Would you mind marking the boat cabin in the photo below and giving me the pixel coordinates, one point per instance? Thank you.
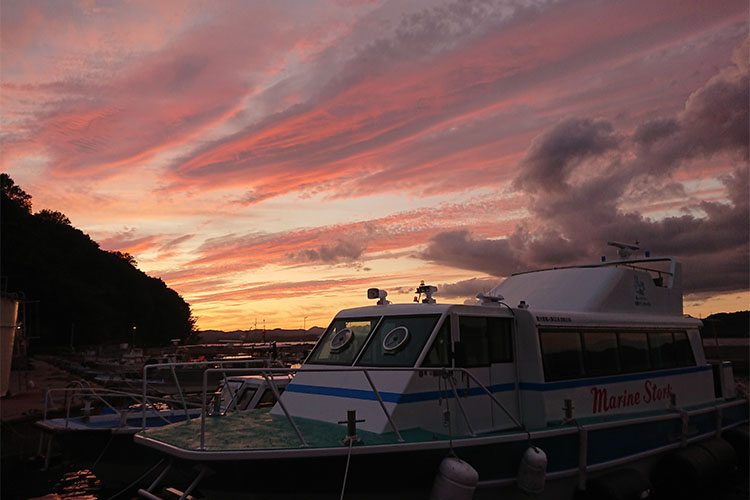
(542, 347)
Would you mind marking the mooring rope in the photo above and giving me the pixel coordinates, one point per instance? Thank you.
(346, 471)
(134, 483)
(96, 462)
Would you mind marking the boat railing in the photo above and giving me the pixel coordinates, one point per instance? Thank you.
(449, 374)
(106, 397)
(221, 366)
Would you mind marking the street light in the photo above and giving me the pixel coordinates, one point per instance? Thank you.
(132, 344)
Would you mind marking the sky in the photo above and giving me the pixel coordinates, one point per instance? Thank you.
(270, 161)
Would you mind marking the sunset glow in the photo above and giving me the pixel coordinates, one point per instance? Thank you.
(270, 161)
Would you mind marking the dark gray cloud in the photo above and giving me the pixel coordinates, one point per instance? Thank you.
(466, 289)
(555, 155)
(715, 119)
(462, 249)
(341, 251)
(583, 178)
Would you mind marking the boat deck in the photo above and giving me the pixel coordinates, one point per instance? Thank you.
(259, 430)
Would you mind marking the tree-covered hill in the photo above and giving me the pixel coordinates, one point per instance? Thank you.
(76, 290)
(727, 325)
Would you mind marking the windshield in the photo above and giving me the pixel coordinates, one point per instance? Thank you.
(229, 392)
(398, 341)
(342, 341)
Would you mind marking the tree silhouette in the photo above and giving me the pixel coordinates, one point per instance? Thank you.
(78, 287)
(53, 216)
(17, 196)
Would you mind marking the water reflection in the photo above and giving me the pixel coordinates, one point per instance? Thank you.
(75, 485)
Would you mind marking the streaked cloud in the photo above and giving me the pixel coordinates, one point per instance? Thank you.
(244, 151)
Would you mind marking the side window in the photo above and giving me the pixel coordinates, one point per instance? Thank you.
(267, 399)
(561, 355)
(662, 350)
(600, 354)
(633, 352)
(229, 393)
(501, 347)
(473, 350)
(438, 354)
(245, 399)
(682, 350)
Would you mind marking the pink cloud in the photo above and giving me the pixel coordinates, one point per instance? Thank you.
(357, 137)
(128, 241)
(351, 244)
(160, 100)
(212, 110)
(285, 290)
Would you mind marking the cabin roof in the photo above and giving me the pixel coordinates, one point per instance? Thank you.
(639, 287)
(648, 287)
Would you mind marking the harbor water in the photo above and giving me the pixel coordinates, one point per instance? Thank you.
(74, 478)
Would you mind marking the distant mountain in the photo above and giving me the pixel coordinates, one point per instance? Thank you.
(277, 334)
(732, 325)
(73, 291)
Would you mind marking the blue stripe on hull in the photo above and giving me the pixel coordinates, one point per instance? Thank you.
(388, 397)
(395, 397)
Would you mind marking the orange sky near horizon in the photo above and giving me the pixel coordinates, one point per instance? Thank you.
(270, 161)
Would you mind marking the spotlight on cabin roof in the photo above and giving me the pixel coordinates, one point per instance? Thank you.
(376, 293)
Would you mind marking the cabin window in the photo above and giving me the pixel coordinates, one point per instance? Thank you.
(600, 353)
(398, 341)
(484, 340)
(561, 355)
(267, 399)
(246, 397)
(229, 393)
(501, 348)
(633, 352)
(683, 351)
(439, 351)
(609, 353)
(342, 341)
(473, 349)
(662, 350)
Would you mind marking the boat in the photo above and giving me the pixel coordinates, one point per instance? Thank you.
(101, 419)
(247, 392)
(558, 383)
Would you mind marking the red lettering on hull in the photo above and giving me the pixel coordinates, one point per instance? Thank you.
(603, 402)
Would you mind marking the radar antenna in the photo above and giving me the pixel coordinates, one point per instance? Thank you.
(625, 250)
(427, 290)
